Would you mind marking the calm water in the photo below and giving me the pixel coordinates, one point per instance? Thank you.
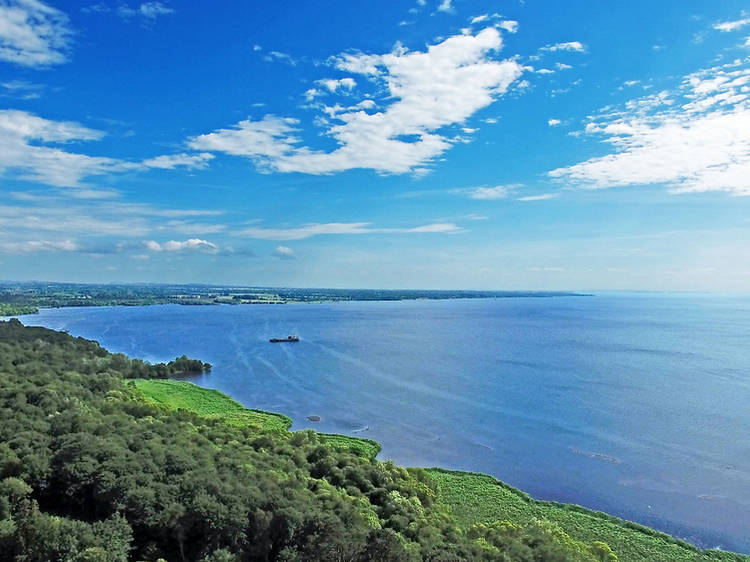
(638, 405)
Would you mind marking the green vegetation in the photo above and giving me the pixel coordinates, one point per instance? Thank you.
(479, 498)
(213, 404)
(91, 470)
(210, 404)
(7, 309)
(357, 445)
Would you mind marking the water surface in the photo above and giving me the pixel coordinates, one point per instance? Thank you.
(636, 405)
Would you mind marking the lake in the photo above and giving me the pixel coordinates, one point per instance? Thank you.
(633, 404)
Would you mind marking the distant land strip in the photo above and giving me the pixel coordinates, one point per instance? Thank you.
(17, 298)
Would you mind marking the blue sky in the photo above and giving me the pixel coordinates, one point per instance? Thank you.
(417, 144)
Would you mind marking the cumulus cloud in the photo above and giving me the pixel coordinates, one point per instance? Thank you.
(510, 26)
(425, 93)
(574, 46)
(445, 6)
(553, 122)
(284, 253)
(317, 229)
(732, 25)
(33, 34)
(30, 146)
(332, 85)
(191, 245)
(694, 139)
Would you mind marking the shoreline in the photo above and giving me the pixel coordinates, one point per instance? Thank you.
(493, 491)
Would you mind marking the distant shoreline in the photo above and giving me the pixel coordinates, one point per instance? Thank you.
(28, 298)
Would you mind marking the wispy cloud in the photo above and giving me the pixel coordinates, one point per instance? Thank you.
(317, 229)
(30, 148)
(574, 46)
(487, 193)
(35, 246)
(405, 136)
(21, 89)
(172, 161)
(33, 34)
(96, 226)
(540, 197)
(279, 56)
(694, 139)
(147, 10)
(731, 25)
(553, 122)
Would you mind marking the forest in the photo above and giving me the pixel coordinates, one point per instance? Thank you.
(93, 470)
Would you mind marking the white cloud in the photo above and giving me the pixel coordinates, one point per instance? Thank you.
(510, 26)
(284, 252)
(544, 71)
(33, 33)
(34, 246)
(694, 139)
(191, 245)
(732, 25)
(445, 6)
(553, 122)
(279, 56)
(425, 92)
(333, 85)
(25, 149)
(96, 218)
(562, 66)
(148, 10)
(574, 46)
(172, 161)
(317, 229)
(540, 197)
(488, 193)
(154, 9)
(21, 89)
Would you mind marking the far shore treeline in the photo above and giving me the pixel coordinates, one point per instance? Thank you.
(17, 298)
(101, 462)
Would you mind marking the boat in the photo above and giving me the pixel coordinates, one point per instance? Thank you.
(290, 338)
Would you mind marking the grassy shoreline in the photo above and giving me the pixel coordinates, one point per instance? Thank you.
(473, 498)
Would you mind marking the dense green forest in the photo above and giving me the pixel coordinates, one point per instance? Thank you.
(96, 465)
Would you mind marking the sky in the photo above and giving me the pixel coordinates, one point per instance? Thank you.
(448, 144)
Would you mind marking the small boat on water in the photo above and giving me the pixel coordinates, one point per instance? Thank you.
(290, 338)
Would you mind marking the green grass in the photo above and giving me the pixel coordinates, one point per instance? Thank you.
(210, 404)
(479, 498)
(214, 404)
(364, 447)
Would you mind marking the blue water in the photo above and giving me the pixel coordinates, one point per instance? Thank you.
(637, 405)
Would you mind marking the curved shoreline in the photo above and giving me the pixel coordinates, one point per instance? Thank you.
(473, 497)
